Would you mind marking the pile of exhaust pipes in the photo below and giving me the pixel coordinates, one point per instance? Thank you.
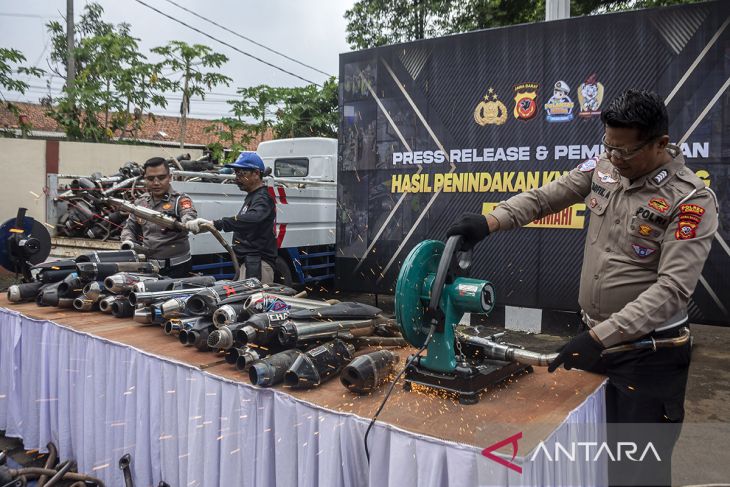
(272, 333)
(52, 473)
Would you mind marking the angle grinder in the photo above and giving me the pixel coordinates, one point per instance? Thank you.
(432, 295)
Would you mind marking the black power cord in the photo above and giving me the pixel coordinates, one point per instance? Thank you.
(392, 386)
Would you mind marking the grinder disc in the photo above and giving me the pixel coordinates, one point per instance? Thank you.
(411, 297)
(31, 228)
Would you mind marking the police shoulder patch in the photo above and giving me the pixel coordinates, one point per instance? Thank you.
(685, 230)
(588, 165)
(186, 203)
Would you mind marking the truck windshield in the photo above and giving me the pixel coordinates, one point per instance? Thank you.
(291, 168)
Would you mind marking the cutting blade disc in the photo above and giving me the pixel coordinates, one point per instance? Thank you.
(411, 293)
(31, 228)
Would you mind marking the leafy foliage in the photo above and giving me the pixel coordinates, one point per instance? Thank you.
(114, 83)
(372, 23)
(182, 57)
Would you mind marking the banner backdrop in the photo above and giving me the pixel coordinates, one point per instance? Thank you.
(434, 128)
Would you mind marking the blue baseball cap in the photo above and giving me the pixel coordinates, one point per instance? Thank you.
(248, 160)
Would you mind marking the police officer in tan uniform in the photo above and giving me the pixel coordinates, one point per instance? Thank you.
(652, 221)
(169, 248)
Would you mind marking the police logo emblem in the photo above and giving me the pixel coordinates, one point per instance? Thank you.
(525, 101)
(645, 230)
(605, 178)
(559, 107)
(590, 96)
(490, 111)
(659, 204)
(642, 251)
(166, 206)
(588, 165)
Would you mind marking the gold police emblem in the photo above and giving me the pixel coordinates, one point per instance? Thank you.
(490, 111)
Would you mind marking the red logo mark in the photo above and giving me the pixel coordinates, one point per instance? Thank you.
(229, 290)
(487, 452)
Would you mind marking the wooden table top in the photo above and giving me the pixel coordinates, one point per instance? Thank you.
(534, 404)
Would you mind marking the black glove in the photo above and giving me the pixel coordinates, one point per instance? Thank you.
(582, 352)
(472, 226)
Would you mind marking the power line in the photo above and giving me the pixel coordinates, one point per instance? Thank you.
(247, 38)
(30, 16)
(224, 43)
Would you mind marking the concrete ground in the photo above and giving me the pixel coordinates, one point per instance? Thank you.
(701, 456)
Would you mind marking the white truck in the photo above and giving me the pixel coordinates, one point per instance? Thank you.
(304, 186)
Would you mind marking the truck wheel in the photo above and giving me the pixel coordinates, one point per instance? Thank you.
(283, 273)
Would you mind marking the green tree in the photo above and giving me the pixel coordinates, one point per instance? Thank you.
(10, 60)
(187, 59)
(234, 134)
(372, 23)
(114, 84)
(258, 103)
(309, 111)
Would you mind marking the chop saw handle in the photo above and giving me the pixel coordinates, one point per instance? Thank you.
(446, 270)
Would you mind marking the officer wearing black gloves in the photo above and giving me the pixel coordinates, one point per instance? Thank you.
(254, 240)
(652, 221)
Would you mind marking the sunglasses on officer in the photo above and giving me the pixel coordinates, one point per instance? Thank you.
(621, 153)
(160, 177)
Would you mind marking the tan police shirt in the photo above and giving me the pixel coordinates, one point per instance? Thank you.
(158, 242)
(646, 244)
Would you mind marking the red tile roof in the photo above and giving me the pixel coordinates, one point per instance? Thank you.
(151, 126)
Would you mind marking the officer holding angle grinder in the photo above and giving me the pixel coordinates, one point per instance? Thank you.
(254, 240)
(652, 221)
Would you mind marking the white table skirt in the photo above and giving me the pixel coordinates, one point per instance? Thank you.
(97, 400)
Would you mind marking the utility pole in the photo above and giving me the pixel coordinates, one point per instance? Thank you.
(70, 62)
(557, 9)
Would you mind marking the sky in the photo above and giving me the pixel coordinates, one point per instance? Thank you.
(310, 31)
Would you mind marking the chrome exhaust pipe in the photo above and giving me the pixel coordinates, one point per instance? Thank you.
(291, 333)
(499, 351)
(93, 290)
(146, 298)
(122, 282)
(143, 315)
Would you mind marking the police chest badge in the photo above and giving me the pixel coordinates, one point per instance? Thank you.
(642, 251)
(559, 107)
(166, 206)
(525, 101)
(491, 111)
(606, 178)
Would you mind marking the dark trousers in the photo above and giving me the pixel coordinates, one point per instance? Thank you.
(645, 403)
(181, 270)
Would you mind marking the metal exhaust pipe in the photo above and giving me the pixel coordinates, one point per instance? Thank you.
(93, 290)
(291, 333)
(24, 292)
(270, 371)
(142, 315)
(367, 372)
(499, 351)
(122, 308)
(318, 365)
(81, 304)
(229, 313)
(122, 282)
(146, 298)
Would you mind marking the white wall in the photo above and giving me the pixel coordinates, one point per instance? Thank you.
(22, 173)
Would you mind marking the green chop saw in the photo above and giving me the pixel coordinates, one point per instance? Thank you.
(432, 291)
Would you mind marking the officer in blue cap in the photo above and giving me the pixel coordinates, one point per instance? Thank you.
(254, 238)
